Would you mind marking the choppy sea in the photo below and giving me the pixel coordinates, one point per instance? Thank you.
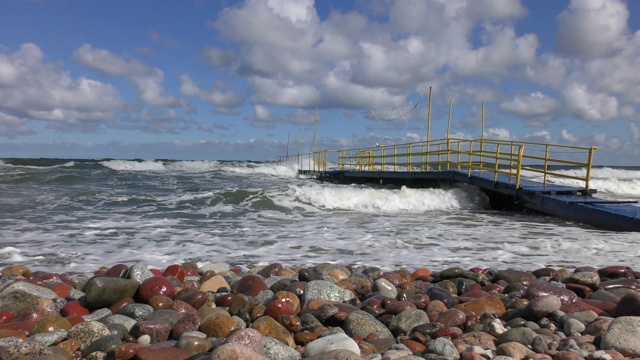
(78, 215)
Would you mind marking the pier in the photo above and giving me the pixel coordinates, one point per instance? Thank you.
(545, 178)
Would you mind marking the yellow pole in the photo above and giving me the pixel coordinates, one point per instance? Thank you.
(299, 163)
(482, 137)
(428, 132)
(449, 132)
(589, 163)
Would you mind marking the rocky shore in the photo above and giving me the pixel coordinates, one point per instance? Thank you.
(329, 311)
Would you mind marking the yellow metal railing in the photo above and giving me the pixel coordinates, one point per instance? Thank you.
(498, 157)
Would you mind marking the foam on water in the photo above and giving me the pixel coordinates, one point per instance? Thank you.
(164, 212)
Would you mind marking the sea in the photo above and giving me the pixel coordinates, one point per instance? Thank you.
(68, 215)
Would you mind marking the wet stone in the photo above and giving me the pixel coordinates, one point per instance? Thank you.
(88, 332)
(136, 311)
(103, 344)
(104, 291)
(158, 330)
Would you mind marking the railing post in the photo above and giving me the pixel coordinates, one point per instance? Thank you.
(448, 152)
(409, 158)
(519, 167)
(546, 163)
(495, 174)
(470, 155)
(395, 157)
(589, 163)
(381, 159)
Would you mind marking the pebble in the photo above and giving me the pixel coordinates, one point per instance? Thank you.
(330, 311)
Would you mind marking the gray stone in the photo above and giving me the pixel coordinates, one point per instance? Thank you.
(265, 297)
(104, 291)
(75, 294)
(98, 315)
(4, 342)
(97, 355)
(585, 316)
(586, 278)
(385, 287)
(136, 311)
(22, 295)
(88, 332)
(520, 335)
(24, 350)
(573, 327)
(139, 273)
(326, 268)
(103, 344)
(444, 347)
(216, 267)
(275, 350)
(360, 323)
(623, 336)
(170, 317)
(126, 321)
(48, 339)
(539, 345)
(407, 320)
(331, 342)
(320, 289)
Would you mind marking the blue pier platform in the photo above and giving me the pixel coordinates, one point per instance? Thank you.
(514, 175)
(565, 202)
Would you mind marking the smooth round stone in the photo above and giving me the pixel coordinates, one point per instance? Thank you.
(224, 300)
(270, 270)
(539, 288)
(514, 276)
(136, 311)
(291, 323)
(320, 289)
(60, 288)
(124, 351)
(250, 285)
(331, 342)
(21, 295)
(520, 335)
(629, 305)
(88, 332)
(421, 273)
(360, 323)
(163, 353)
(513, 349)
(235, 351)
(118, 319)
(407, 320)
(168, 316)
(219, 326)
(115, 308)
(158, 330)
(51, 324)
(139, 273)
(289, 298)
(219, 267)
(268, 326)
(214, 283)
(385, 287)
(307, 275)
(103, 344)
(442, 295)
(612, 272)
(24, 350)
(444, 347)
(338, 275)
(597, 327)
(543, 305)
(18, 270)
(586, 278)
(279, 307)
(176, 271)
(450, 332)
(297, 288)
(160, 302)
(183, 308)
(51, 338)
(247, 337)
(452, 318)
(118, 270)
(156, 285)
(193, 344)
(188, 323)
(74, 308)
(196, 299)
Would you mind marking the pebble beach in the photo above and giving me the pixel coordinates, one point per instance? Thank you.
(327, 311)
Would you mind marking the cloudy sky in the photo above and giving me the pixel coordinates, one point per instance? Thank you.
(223, 79)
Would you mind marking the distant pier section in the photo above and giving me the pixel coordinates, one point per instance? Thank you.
(514, 175)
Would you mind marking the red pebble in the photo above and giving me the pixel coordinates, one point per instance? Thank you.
(156, 285)
(176, 271)
(279, 307)
(5, 317)
(60, 288)
(224, 300)
(156, 272)
(452, 332)
(251, 285)
(74, 308)
(75, 319)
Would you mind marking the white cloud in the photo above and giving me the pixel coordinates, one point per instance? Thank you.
(224, 101)
(568, 136)
(635, 133)
(539, 136)
(498, 134)
(37, 90)
(533, 105)
(592, 28)
(261, 113)
(590, 106)
(148, 80)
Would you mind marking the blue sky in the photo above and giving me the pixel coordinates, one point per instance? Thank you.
(204, 79)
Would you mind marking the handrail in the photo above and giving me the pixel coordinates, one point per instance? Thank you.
(498, 157)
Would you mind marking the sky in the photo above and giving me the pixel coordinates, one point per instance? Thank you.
(246, 79)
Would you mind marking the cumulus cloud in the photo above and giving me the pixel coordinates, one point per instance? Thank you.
(568, 136)
(588, 105)
(224, 101)
(148, 80)
(34, 89)
(535, 105)
(592, 28)
(498, 134)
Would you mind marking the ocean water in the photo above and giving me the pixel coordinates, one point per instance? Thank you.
(78, 215)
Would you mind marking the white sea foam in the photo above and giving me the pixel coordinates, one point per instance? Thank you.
(129, 165)
(388, 201)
